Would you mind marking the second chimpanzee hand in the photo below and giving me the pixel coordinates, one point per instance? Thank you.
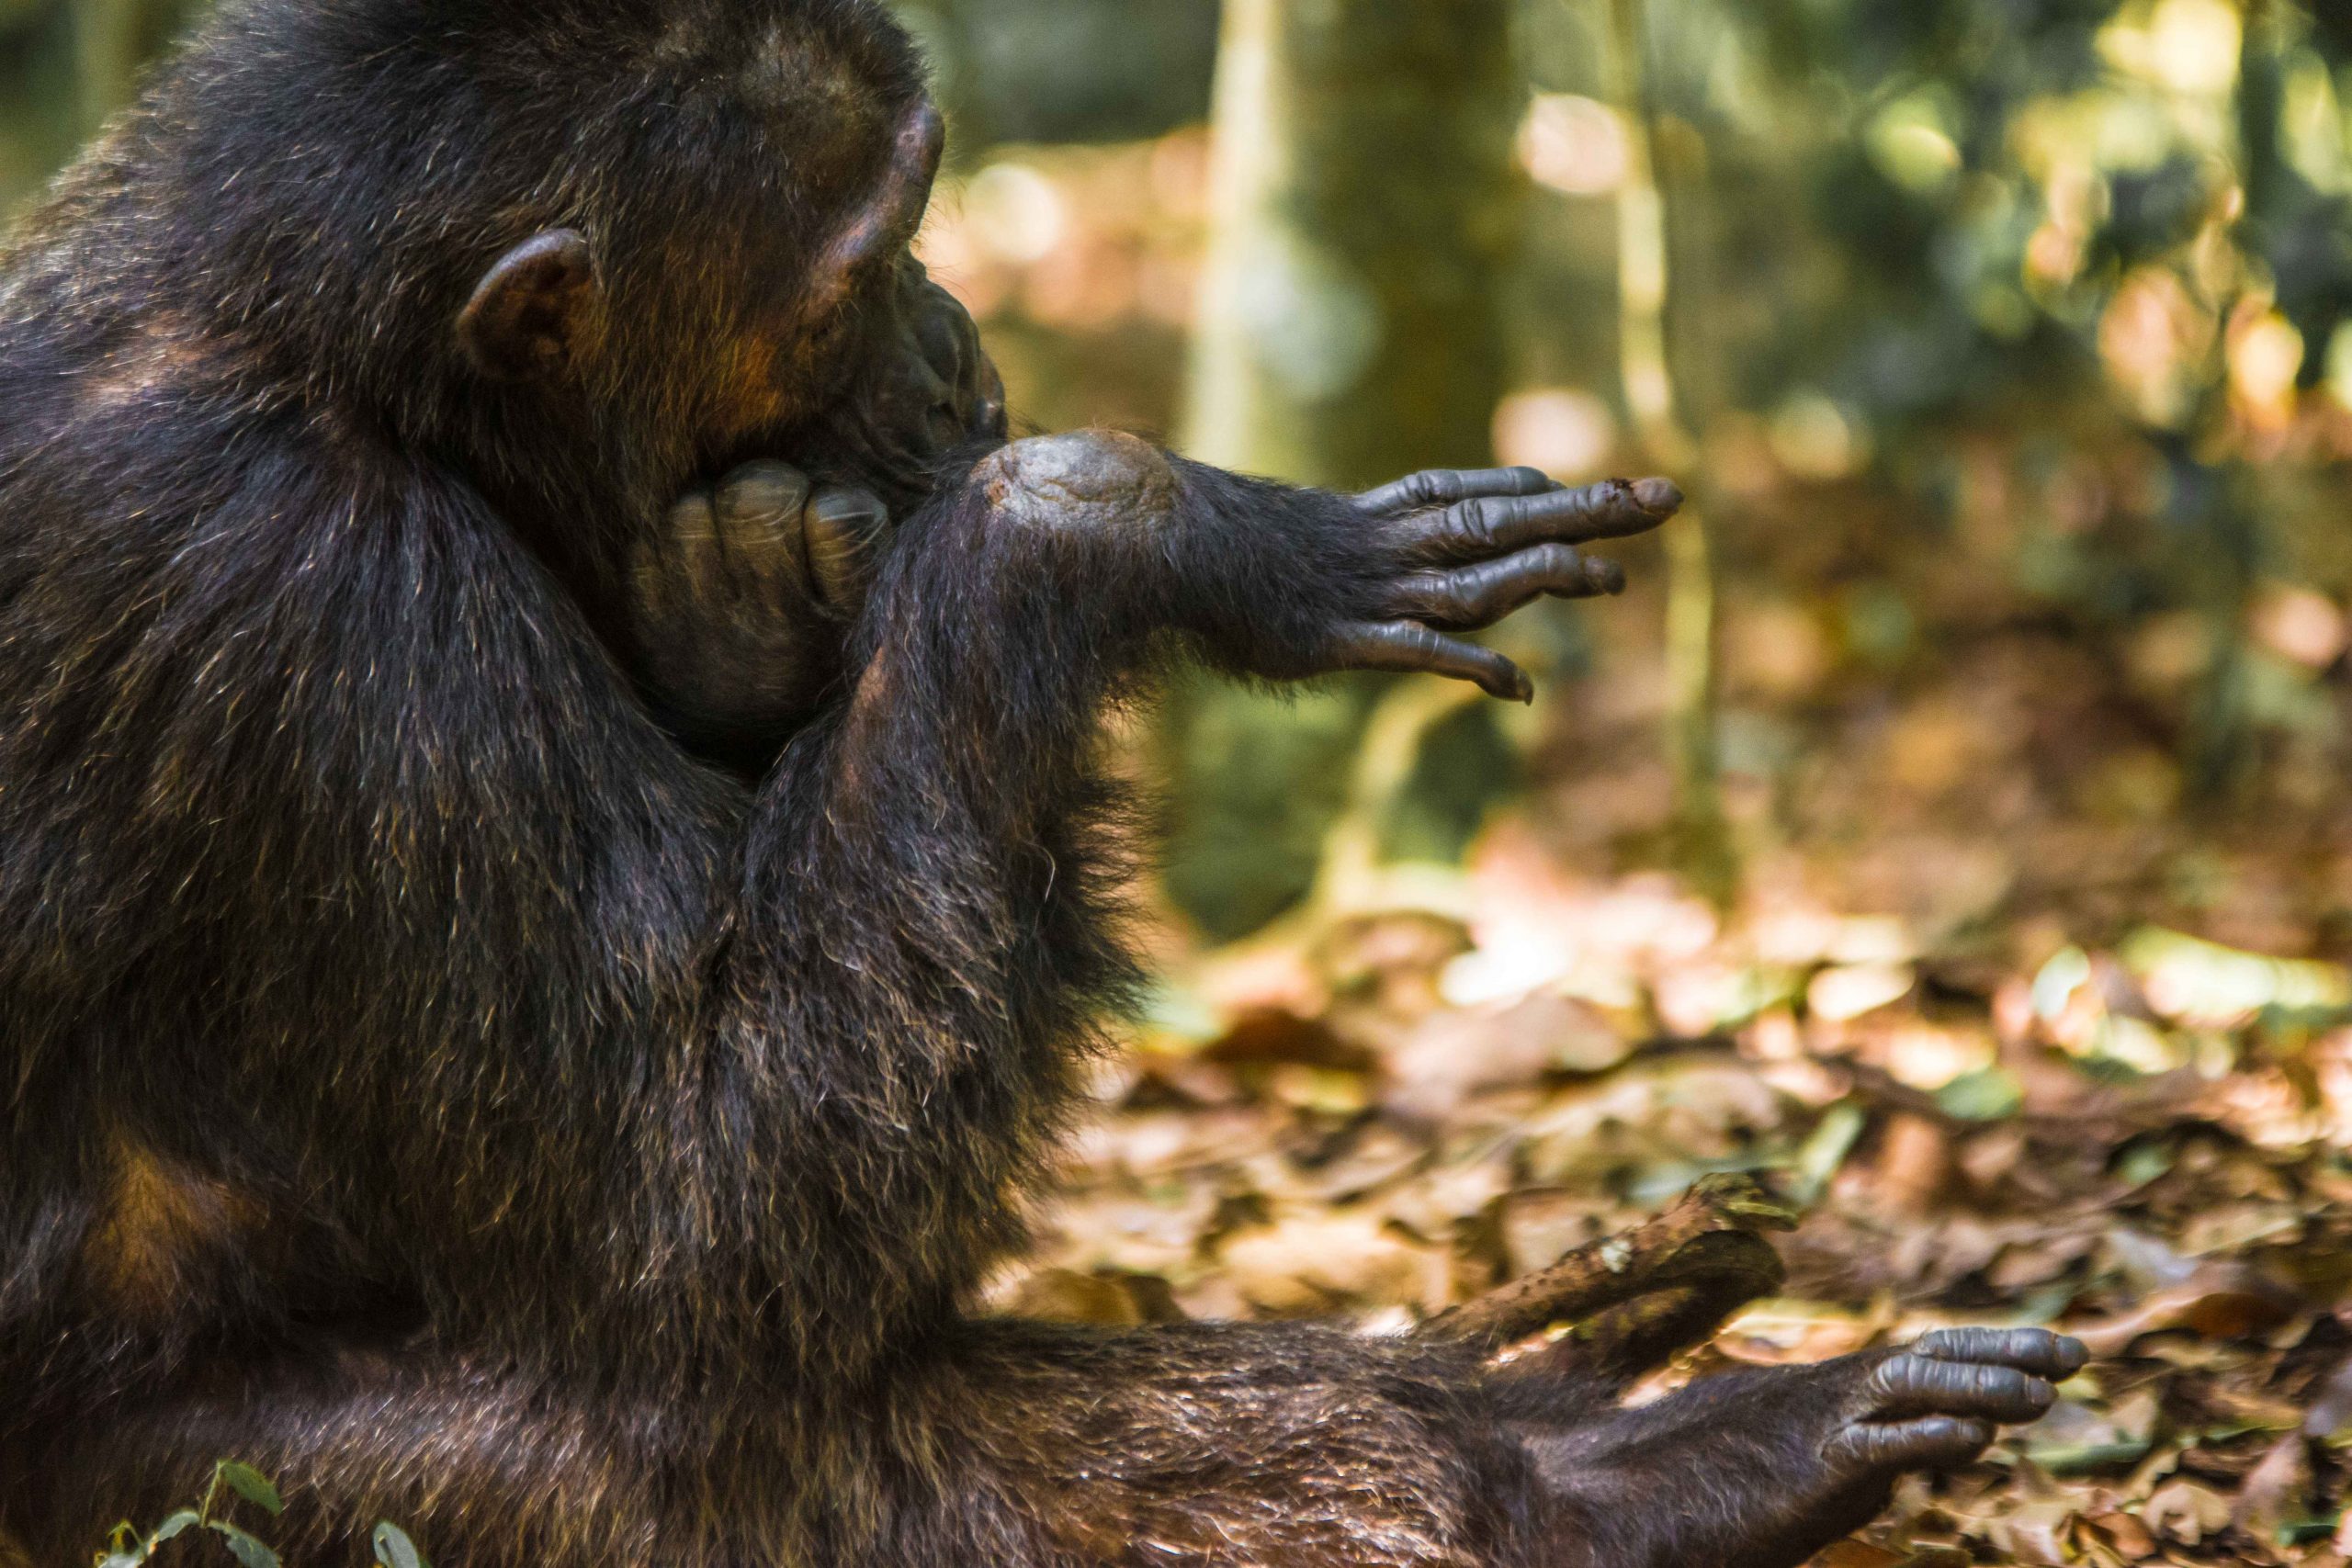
(740, 599)
(1467, 550)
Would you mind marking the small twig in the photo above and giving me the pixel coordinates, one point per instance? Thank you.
(1703, 1249)
(1724, 1272)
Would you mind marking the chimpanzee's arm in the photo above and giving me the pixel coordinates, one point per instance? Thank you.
(326, 804)
(926, 936)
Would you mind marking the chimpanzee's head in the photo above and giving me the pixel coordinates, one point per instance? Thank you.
(611, 242)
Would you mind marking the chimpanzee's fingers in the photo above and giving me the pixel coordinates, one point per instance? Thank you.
(758, 508)
(683, 563)
(2036, 1350)
(845, 530)
(1409, 647)
(1939, 1442)
(1485, 527)
(1922, 1385)
(1472, 598)
(1444, 486)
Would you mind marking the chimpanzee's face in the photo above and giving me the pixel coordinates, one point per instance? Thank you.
(767, 301)
(872, 370)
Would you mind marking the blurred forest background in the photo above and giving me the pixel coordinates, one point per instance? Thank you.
(1953, 821)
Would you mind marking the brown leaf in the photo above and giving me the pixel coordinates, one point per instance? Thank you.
(1114, 1300)
(2126, 1534)
(1456, 1055)
(2185, 1513)
(1316, 1262)
(1274, 1035)
(2222, 1301)
(2276, 1490)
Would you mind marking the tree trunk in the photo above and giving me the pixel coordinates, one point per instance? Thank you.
(1366, 208)
(1703, 847)
(110, 43)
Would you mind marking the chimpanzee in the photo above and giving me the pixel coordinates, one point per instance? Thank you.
(511, 1038)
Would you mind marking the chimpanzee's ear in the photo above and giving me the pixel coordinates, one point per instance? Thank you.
(534, 311)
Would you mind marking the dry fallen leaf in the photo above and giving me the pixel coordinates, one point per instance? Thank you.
(2226, 1301)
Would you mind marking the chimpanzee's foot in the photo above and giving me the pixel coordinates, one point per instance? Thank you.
(1937, 1403)
(1763, 1470)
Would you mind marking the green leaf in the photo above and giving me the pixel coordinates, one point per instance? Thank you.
(2302, 1532)
(1991, 1094)
(252, 1552)
(253, 1487)
(394, 1550)
(118, 1559)
(2089, 1458)
(173, 1526)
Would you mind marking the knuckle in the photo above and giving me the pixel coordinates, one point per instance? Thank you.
(1469, 523)
(1956, 1344)
(763, 493)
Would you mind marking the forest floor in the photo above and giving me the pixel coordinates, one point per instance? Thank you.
(2029, 1041)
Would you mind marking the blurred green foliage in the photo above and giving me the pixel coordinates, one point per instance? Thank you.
(65, 66)
(1089, 70)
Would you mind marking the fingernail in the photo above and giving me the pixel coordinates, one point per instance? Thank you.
(773, 492)
(847, 510)
(1606, 576)
(1659, 498)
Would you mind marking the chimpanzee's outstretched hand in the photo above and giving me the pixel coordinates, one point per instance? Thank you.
(1472, 549)
(1763, 1470)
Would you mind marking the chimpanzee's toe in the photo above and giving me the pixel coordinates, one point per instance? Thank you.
(2037, 1351)
(1912, 1384)
(1938, 1404)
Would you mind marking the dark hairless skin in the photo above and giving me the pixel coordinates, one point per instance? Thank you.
(740, 599)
